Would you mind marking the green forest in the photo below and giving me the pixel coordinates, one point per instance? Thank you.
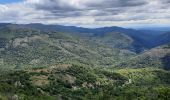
(37, 64)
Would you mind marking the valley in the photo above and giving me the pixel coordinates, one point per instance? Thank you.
(54, 62)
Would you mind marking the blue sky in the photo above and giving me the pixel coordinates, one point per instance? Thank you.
(9, 1)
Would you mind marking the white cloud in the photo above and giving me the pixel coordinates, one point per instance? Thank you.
(87, 12)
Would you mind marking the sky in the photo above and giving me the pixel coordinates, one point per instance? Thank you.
(86, 13)
(9, 1)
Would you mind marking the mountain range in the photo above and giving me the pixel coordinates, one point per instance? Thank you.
(38, 44)
(54, 62)
(146, 38)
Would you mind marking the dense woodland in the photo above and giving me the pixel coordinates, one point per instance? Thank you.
(39, 62)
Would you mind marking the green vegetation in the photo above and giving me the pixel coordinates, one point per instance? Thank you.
(156, 58)
(70, 82)
(85, 83)
(46, 65)
(27, 48)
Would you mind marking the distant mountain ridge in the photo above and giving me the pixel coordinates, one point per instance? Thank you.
(142, 39)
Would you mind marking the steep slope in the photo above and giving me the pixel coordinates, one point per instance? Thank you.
(116, 40)
(120, 41)
(162, 39)
(142, 39)
(158, 58)
(25, 47)
(42, 64)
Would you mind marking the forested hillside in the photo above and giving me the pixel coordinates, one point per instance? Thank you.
(24, 47)
(156, 57)
(52, 62)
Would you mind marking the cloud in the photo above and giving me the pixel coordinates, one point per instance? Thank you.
(87, 12)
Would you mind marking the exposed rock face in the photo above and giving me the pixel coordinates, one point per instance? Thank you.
(23, 42)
